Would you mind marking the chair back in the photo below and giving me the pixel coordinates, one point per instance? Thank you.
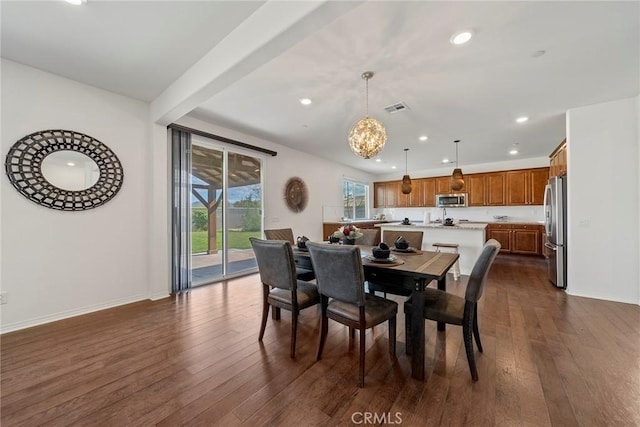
(480, 270)
(414, 238)
(370, 237)
(285, 234)
(339, 272)
(275, 263)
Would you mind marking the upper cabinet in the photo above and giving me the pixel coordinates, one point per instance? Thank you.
(510, 188)
(558, 160)
(526, 186)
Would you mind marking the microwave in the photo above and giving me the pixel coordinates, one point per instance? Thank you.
(459, 200)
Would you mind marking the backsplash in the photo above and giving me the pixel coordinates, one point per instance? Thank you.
(483, 213)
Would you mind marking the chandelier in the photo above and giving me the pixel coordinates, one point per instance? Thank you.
(368, 136)
(406, 179)
(457, 179)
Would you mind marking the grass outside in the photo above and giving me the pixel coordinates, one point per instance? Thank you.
(237, 240)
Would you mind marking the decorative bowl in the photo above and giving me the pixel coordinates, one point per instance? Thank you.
(401, 243)
(381, 251)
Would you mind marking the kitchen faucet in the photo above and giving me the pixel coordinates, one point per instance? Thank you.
(444, 213)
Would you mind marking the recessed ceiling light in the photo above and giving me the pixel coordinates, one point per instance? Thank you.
(461, 38)
(393, 167)
(423, 138)
(513, 152)
(71, 164)
(445, 160)
(522, 119)
(305, 101)
(378, 160)
(76, 2)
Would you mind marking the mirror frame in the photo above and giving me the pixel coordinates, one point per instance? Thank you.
(24, 161)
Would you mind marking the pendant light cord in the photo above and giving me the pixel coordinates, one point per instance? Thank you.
(406, 152)
(366, 84)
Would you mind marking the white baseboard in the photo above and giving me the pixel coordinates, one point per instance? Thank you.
(606, 297)
(72, 313)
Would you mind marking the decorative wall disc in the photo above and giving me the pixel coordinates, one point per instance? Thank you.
(23, 166)
(295, 194)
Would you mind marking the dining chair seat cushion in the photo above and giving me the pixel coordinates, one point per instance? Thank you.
(376, 310)
(440, 306)
(307, 295)
(305, 274)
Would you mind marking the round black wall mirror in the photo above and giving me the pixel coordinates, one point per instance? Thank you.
(64, 170)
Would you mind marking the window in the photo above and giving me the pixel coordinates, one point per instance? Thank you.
(355, 198)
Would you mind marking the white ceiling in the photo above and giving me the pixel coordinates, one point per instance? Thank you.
(472, 92)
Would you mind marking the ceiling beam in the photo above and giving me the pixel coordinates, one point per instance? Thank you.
(268, 32)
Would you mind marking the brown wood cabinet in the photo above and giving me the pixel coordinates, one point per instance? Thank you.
(517, 238)
(386, 194)
(486, 189)
(526, 186)
(428, 192)
(510, 188)
(558, 160)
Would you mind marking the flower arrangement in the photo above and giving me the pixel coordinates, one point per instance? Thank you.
(349, 232)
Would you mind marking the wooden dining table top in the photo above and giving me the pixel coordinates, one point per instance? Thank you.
(418, 265)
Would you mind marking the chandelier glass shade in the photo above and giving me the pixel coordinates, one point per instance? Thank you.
(367, 137)
(457, 178)
(406, 179)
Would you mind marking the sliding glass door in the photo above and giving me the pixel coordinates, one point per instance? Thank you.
(224, 187)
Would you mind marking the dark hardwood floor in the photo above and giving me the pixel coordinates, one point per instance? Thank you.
(549, 359)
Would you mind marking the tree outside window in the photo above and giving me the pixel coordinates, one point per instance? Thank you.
(355, 198)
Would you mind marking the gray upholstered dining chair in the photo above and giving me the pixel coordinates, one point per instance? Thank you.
(393, 285)
(444, 307)
(280, 288)
(303, 272)
(340, 279)
(370, 237)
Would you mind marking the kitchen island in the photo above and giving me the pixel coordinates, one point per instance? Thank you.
(470, 238)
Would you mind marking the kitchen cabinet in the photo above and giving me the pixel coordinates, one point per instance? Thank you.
(517, 238)
(526, 186)
(443, 185)
(429, 192)
(558, 160)
(502, 233)
(486, 189)
(386, 194)
(416, 197)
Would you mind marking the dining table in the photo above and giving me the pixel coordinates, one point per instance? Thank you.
(415, 269)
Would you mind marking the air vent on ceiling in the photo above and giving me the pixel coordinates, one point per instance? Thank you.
(394, 108)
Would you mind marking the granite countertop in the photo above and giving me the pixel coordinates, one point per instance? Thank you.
(462, 225)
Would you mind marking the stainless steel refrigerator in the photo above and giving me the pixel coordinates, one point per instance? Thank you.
(555, 224)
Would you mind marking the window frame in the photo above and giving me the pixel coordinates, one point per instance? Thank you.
(354, 208)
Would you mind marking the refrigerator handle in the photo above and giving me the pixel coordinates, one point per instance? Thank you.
(550, 246)
(547, 209)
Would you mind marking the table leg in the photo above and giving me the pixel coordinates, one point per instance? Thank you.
(417, 335)
(442, 285)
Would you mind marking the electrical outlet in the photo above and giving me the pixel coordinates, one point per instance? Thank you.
(3, 297)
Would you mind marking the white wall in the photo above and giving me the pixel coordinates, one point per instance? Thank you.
(604, 201)
(322, 177)
(59, 264)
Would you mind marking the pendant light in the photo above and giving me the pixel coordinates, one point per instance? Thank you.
(406, 180)
(457, 179)
(368, 136)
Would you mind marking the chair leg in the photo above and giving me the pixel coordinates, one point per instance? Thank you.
(265, 314)
(392, 336)
(352, 332)
(362, 353)
(275, 314)
(294, 332)
(324, 325)
(476, 333)
(407, 333)
(468, 345)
